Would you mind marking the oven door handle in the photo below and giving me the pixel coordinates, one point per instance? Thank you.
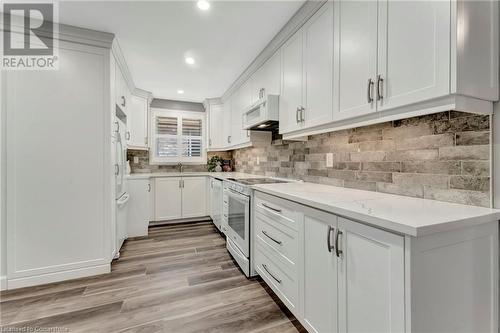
(237, 194)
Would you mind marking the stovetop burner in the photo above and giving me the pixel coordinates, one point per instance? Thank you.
(254, 181)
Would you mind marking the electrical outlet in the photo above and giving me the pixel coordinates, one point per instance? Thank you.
(329, 160)
(258, 160)
(136, 159)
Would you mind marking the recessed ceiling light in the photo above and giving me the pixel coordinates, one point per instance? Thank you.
(189, 60)
(180, 91)
(203, 4)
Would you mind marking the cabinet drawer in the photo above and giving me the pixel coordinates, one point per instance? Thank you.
(279, 210)
(282, 281)
(280, 239)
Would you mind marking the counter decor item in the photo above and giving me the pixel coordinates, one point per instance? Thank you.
(226, 166)
(214, 164)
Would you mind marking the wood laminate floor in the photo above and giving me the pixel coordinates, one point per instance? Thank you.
(180, 278)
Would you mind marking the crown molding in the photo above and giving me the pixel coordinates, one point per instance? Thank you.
(64, 32)
(293, 25)
(120, 61)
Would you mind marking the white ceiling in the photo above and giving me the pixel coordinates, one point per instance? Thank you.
(155, 36)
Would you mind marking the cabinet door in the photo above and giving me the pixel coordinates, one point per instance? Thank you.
(271, 75)
(320, 273)
(291, 85)
(414, 51)
(168, 204)
(139, 207)
(121, 90)
(371, 279)
(216, 202)
(318, 67)
(216, 118)
(226, 122)
(137, 122)
(355, 54)
(194, 197)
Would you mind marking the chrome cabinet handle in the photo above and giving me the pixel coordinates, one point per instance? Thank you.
(338, 251)
(149, 187)
(117, 129)
(302, 114)
(271, 274)
(380, 83)
(117, 169)
(127, 135)
(123, 101)
(209, 142)
(271, 238)
(297, 119)
(180, 183)
(329, 238)
(272, 208)
(370, 90)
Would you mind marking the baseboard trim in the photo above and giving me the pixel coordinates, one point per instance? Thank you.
(153, 224)
(57, 276)
(3, 282)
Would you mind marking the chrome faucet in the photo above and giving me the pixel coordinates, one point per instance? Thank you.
(180, 167)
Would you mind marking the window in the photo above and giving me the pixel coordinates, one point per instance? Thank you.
(178, 136)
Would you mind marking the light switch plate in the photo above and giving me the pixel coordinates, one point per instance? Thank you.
(136, 159)
(329, 160)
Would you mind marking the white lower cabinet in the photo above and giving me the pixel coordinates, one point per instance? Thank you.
(180, 197)
(216, 199)
(338, 275)
(319, 292)
(370, 273)
(194, 196)
(139, 207)
(168, 198)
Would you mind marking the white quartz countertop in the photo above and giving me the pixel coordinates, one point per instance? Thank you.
(405, 215)
(220, 175)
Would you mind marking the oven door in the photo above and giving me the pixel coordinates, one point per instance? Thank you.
(237, 215)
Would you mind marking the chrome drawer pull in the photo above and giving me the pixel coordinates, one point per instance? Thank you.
(271, 274)
(272, 208)
(271, 238)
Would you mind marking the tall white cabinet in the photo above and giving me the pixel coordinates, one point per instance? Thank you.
(59, 212)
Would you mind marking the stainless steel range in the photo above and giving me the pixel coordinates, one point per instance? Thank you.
(237, 219)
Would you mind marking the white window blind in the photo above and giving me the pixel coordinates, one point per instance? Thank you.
(191, 137)
(178, 137)
(167, 141)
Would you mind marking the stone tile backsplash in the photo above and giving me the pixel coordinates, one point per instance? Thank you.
(144, 167)
(444, 156)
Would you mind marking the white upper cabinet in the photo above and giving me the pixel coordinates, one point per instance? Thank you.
(307, 74)
(267, 79)
(355, 69)
(226, 122)
(413, 52)
(215, 122)
(137, 123)
(318, 67)
(291, 84)
(122, 92)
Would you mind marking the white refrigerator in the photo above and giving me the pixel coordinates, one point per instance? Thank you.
(121, 194)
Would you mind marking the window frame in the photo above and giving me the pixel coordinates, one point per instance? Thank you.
(154, 159)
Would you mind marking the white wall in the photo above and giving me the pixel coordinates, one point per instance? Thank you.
(495, 169)
(3, 220)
